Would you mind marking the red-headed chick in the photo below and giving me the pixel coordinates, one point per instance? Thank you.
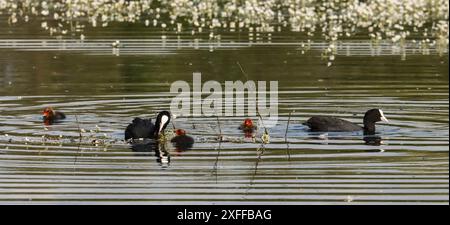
(247, 125)
(182, 141)
(50, 116)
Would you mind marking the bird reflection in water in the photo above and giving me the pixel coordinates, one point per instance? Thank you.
(147, 147)
(162, 156)
(373, 140)
(152, 147)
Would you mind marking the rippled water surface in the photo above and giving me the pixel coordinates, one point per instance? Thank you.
(104, 88)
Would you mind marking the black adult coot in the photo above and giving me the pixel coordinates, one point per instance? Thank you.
(51, 116)
(182, 141)
(333, 124)
(144, 128)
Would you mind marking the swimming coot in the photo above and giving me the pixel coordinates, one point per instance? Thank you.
(144, 128)
(333, 124)
(51, 116)
(182, 141)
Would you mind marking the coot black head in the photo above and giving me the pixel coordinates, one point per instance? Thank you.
(162, 120)
(371, 117)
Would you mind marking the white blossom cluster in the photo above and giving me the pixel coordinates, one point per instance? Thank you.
(395, 20)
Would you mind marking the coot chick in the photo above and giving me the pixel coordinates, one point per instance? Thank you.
(247, 125)
(182, 141)
(333, 124)
(51, 116)
(144, 128)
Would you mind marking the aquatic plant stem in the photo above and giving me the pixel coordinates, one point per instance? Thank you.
(286, 137)
(220, 129)
(260, 153)
(79, 142)
(242, 70)
(218, 150)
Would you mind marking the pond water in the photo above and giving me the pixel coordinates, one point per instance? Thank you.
(102, 89)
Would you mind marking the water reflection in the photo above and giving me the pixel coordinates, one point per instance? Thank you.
(162, 156)
(374, 140)
(144, 147)
(152, 147)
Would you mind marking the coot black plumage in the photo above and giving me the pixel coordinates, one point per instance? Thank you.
(144, 128)
(333, 124)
